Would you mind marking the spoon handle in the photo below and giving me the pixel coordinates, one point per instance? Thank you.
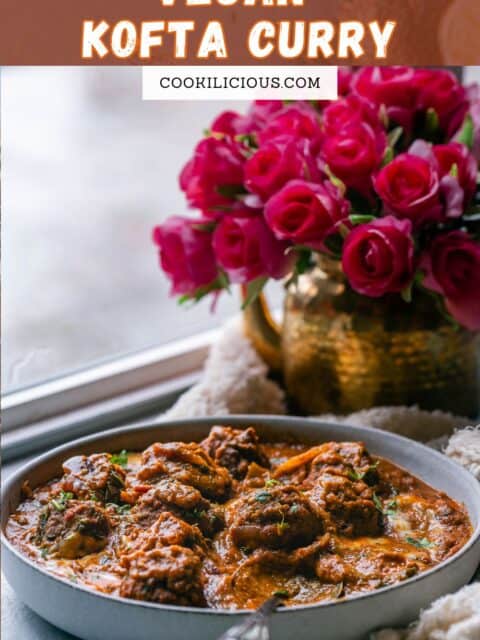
(255, 627)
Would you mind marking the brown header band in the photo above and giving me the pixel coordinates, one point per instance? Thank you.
(54, 32)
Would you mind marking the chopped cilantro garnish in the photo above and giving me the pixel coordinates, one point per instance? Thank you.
(60, 501)
(282, 525)
(271, 482)
(263, 496)
(120, 458)
(355, 475)
(423, 543)
(389, 509)
(119, 508)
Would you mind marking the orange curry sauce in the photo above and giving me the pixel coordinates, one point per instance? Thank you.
(229, 521)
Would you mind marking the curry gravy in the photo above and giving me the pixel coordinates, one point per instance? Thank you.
(227, 522)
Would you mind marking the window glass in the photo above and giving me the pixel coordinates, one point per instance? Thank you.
(88, 169)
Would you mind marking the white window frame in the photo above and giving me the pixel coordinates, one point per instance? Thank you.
(121, 390)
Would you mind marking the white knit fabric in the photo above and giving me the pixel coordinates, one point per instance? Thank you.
(235, 381)
(464, 448)
(453, 617)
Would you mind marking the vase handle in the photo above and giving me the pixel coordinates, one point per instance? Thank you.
(263, 331)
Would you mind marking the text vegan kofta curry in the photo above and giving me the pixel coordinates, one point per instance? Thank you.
(229, 521)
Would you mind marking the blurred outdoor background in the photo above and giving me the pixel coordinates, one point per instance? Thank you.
(87, 170)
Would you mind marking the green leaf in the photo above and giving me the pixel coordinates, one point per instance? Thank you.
(394, 136)
(343, 230)
(466, 133)
(360, 218)
(231, 191)
(249, 139)
(407, 293)
(419, 277)
(335, 181)
(387, 156)
(423, 543)
(223, 280)
(120, 458)
(432, 122)
(254, 289)
(304, 262)
(383, 115)
(204, 226)
(221, 283)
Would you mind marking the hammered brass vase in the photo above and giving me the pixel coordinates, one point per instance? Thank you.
(340, 352)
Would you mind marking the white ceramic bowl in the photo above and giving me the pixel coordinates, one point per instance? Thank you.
(93, 616)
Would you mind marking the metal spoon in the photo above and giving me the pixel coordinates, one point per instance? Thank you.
(255, 627)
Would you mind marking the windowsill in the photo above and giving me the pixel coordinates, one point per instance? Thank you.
(136, 406)
(126, 390)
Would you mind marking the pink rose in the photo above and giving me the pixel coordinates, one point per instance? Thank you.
(306, 213)
(345, 78)
(455, 157)
(410, 188)
(246, 249)
(344, 85)
(186, 254)
(231, 123)
(277, 162)
(378, 257)
(214, 174)
(440, 90)
(352, 109)
(393, 87)
(475, 114)
(262, 110)
(300, 121)
(353, 154)
(452, 268)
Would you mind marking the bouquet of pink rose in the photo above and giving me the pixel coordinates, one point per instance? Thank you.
(383, 179)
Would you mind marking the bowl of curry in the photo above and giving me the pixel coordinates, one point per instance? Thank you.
(174, 530)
